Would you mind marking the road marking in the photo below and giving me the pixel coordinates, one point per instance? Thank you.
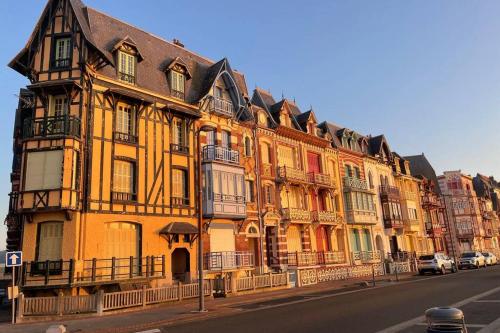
(488, 301)
(415, 321)
(492, 327)
(156, 330)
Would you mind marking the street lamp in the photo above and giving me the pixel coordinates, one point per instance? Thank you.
(201, 296)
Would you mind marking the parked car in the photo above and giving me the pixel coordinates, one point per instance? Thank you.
(490, 258)
(436, 263)
(471, 259)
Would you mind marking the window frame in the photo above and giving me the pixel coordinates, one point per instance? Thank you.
(185, 199)
(183, 146)
(53, 51)
(180, 94)
(131, 137)
(119, 196)
(119, 73)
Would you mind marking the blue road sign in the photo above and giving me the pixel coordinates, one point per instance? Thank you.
(14, 258)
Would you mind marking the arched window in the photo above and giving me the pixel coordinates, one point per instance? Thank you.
(370, 179)
(248, 147)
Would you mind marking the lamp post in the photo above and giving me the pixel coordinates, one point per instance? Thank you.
(201, 296)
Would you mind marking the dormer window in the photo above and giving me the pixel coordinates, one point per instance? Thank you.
(177, 84)
(62, 52)
(126, 67)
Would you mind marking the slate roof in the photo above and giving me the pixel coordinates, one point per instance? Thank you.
(420, 166)
(103, 32)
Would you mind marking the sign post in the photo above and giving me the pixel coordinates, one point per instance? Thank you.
(13, 259)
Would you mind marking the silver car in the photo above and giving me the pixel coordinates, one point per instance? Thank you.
(471, 259)
(436, 263)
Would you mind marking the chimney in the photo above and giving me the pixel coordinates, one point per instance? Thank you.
(177, 42)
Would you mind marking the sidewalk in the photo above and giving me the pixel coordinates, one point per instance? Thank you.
(142, 319)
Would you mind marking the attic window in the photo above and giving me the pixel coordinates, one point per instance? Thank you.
(62, 52)
(126, 67)
(177, 82)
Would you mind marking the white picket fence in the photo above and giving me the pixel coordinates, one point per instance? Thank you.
(100, 302)
(262, 281)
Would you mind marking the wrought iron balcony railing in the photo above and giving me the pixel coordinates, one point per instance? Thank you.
(178, 148)
(125, 137)
(389, 191)
(297, 215)
(123, 196)
(323, 216)
(221, 107)
(291, 174)
(315, 258)
(223, 154)
(52, 126)
(351, 183)
(319, 178)
(128, 78)
(61, 63)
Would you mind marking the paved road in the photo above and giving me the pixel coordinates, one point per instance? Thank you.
(368, 310)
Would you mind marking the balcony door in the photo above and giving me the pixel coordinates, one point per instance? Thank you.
(286, 157)
(313, 162)
(322, 243)
(210, 138)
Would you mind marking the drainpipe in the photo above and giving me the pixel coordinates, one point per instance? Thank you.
(259, 188)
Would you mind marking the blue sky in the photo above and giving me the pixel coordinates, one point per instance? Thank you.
(424, 73)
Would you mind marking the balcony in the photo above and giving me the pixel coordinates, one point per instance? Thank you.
(51, 126)
(179, 201)
(351, 183)
(320, 179)
(222, 154)
(57, 273)
(433, 229)
(128, 78)
(393, 222)
(304, 259)
(291, 174)
(366, 256)
(221, 107)
(465, 233)
(230, 260)
(387, 191)
(325, 217)
(411, 225)
(355, 216)
(125, 137)
(296, 215)
(221, 205)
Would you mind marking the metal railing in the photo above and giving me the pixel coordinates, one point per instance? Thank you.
(324, 216)
(177, 94)
(51, 126)
(300, 259)
(125, 137)
(61, 63)
(65, 272)
(388, 190)
(354, 183)
(218, 153)
(219, 197)
(319, 178)
(129, 78)
(291, 174)
(179, 201)
(366, 256)
(123, 196)
(221, 106)
(178, 148)
(296, 214)
(214, 261)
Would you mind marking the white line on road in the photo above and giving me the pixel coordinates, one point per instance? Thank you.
(488, 301)
(156, 330)
(415, 321)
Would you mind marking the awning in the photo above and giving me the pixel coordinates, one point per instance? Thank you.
(176, 228)
(172, 230)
